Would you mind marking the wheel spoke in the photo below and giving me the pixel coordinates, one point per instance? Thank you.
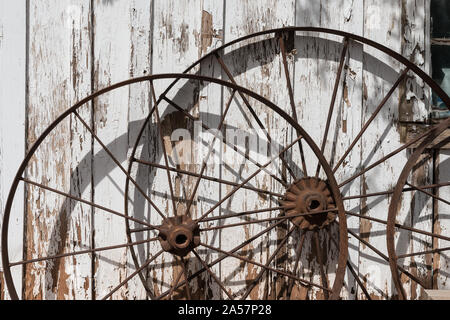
(298, 255)
(428, 193)
(291, 99)
(239, 214)
(322, 268)
(221, 285)
(422, 252)
(441, 144)
(149, 226)
(381, 193)
(374, 114)
(355, 275)
(146, 263)
(230, 183)
(69, 254)
(267, 219)
(357, 278)
(246, 242)
(368, 195)
(333, 99)
(243, 154)
(186, 281)
(287, 274)
(210, 149)
(119, 165)
(393, 153)
(255, 116)
(269, 261)
(175, 283)
(400, 226)
(177, 280)
(247, 180)
(412, 277)
(166, 161)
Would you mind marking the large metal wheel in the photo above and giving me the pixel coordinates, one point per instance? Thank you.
(284, 42)
(180, 235)
(308, 202)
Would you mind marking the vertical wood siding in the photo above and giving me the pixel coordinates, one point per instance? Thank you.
(441, 264)
(59, 75)
(267, 80)
(383, 24)
(13, 55)
(318, 59)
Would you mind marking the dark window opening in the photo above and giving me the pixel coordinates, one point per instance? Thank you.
(440, 54)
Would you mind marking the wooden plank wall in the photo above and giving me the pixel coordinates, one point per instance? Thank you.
(54, 53)
(13, 95)
(59, 73)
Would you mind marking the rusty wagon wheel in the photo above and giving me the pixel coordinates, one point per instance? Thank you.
(285, 43)
(409, 265)
(189, 224)
(180, 234)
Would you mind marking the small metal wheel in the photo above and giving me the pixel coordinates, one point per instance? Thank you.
(172, 236)
(419, 210)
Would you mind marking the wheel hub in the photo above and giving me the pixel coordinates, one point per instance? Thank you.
(309, 195)
(179, 235)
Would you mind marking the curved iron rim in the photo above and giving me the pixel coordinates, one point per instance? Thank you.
(343, 241)
(410, 65)
(396, 202)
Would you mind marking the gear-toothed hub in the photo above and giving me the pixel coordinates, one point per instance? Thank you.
(179, 235)
(309, 195)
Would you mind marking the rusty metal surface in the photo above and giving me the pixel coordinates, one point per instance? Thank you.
(310, 195)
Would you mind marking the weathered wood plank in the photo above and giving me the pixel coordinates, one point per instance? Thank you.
(414, 105)
(175, 27)
(317, 62)
(59, 75)
(441, 261)
(257, 67)
(381, 24)
(140, 24)
(438, 143)
(121, 50)
(437, 294)
(183, 32)
(415, 97)
(12, 124)
(421, 212)
(210, 109)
